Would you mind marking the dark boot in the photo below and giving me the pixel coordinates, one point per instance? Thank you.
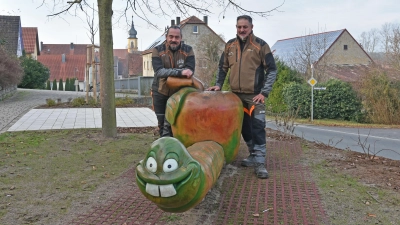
(260, 171)
(249, 161)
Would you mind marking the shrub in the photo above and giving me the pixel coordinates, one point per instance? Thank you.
(297, 98)
(60, 85)
(92, 102)
(77, 102)
(275, 101)
(338, 101)
(11, 71)
(50, 102)
(381, 97)
(226, 86)
(35, 74)
(54, 84)
(48, 87)
(123, 101)
(67, 86)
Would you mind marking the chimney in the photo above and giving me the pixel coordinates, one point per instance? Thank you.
(172, 23)
(205, 19)
(63, 58)
(178, 20)
(41, 45)
(71, 48)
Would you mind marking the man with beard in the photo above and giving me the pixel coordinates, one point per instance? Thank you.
(170, 59)
(252, 74)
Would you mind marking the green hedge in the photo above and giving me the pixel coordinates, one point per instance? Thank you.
(54, 85)
(67, 84)
(275, 101)
(339, 101)
(60, 85)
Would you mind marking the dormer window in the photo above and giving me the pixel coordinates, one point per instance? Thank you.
(195, 29)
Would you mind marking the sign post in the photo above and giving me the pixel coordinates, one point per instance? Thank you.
(312, 82)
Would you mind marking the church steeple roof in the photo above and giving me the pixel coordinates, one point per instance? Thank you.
(132, 31)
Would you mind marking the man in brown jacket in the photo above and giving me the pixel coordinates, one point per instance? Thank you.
(170, 59)
(252, 74)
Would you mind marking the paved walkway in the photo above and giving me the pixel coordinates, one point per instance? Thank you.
(73, 118)
(15, 109)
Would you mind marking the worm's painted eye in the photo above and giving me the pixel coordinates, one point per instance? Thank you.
(151, 164)
(170, 165)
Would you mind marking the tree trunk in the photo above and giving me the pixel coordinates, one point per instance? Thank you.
(107, 89)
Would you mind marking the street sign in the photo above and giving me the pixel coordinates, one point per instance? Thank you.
(320, 88)
(312, 81)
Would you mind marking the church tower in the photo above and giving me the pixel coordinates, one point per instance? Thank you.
(132, 39)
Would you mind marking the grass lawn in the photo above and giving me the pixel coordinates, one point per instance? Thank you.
(43, 173)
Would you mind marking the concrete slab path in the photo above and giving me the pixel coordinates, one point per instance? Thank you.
(77, 118)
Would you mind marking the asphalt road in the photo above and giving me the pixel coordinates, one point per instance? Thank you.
(382, 142)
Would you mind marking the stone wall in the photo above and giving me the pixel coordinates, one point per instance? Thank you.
(7, 92)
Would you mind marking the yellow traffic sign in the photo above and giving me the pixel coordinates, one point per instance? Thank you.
(312, 81)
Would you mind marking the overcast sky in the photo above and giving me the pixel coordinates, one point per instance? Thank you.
(294, 18)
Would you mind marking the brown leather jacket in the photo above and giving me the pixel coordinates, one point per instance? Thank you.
(252, 70)
(168, 63)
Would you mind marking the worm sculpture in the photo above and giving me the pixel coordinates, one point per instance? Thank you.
(179, 171)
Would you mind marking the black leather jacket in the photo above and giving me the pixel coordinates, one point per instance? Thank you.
(170, 63)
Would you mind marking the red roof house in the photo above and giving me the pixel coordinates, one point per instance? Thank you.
(30, 38)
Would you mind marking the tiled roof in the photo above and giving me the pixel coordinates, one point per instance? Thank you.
(158, 41)
(192, 20)
(284, 49)
(161, 39)
(355, 73)
(135, 63)
(9, 31)
(31, 39)
(120, 53)
(74, 66)
(58, 49)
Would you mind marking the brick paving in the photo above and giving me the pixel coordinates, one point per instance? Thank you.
(289, 196)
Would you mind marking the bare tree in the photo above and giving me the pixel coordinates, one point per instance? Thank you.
(92, 27)
(308, 50)
(370, 40)
(11, 72)
(392, 47)
(209, 49)
(140, 8)
(385, 32)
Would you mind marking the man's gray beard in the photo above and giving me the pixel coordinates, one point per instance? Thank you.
(174, 48)
(243, 38)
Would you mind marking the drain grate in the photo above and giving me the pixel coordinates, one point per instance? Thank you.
(289, 196)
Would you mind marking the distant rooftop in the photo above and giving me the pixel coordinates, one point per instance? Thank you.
(285, 48)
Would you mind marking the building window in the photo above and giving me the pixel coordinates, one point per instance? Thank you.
(195, 29)
(345, 47)
(144, 65)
